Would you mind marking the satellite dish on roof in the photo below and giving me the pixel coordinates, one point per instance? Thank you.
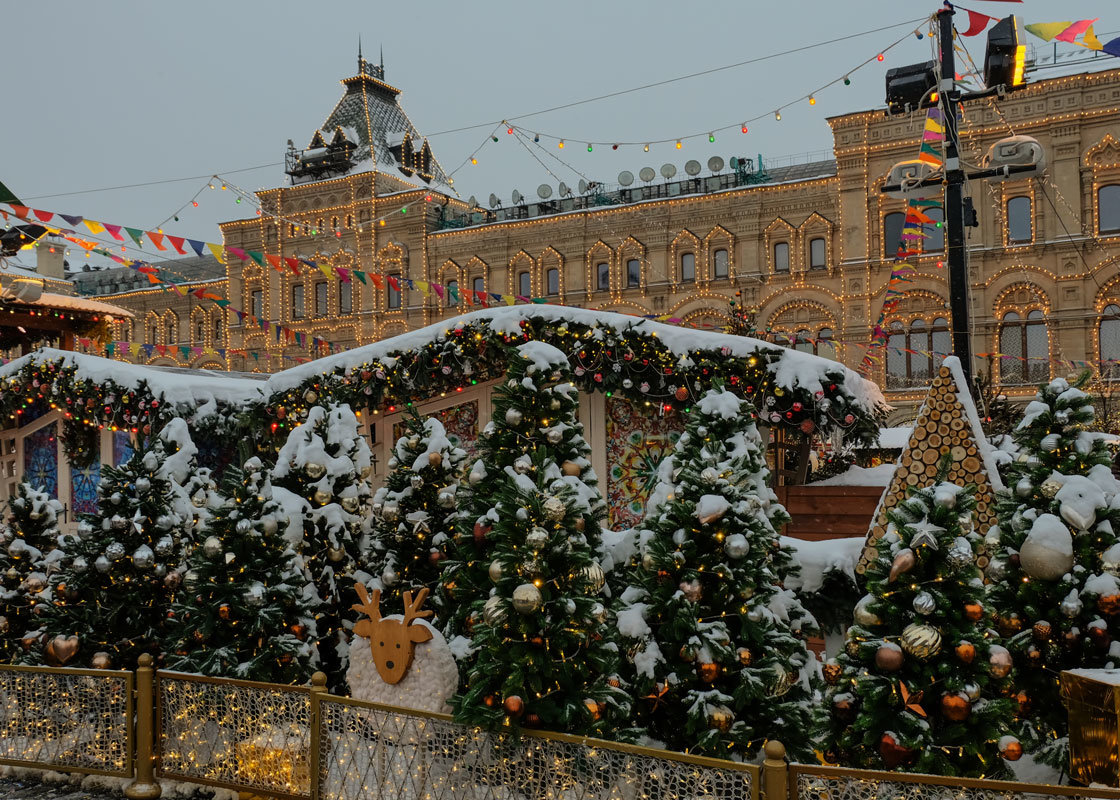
(582, 186)
(472, 201)
(544, 191)
(668, 171)
(494, 201)
(647, 174)
(517, 198)
(715, 163)
(625, 178)
(692, 166)
(734, 162)
(565, 190)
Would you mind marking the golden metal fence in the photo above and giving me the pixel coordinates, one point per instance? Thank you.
(810, 782)
(73, 720)
(373, 752)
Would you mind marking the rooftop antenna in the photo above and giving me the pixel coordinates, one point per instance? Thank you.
(359, 54)
(383, 60)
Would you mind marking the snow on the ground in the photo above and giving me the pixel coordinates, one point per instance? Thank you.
(817, 559)
(861, 476)
(891, 438)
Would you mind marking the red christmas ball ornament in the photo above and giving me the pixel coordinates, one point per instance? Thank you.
(436, 556)
(514, 705)
(681, 393)
(481, 530)
(807, 426)
(892, 752)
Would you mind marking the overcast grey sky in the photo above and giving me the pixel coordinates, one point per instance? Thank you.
(119, 93)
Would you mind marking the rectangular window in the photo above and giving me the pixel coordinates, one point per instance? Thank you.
(345, 297)
(781, 257)
(321, 307)
(935, 233)
(297, 301)
(217, 330)
(553, 281)
(524, 284)
(603, 271)
(452, 291)
(719, 263)
(394, 295)
(479, 285)
(256, 303)
(633, 273)
(1019, 220)
(816, 253)
(688, 267)
(892, 234)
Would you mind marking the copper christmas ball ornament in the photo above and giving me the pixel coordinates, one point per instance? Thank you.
(1041, 631)
(581, 523)
(27, 642)
(893, 753)
(322, 497)
(481, 531)
(571, 469)
(745, 656)
(436, 556)
(681, 393)
(708, 671)
(513, 705)
(223, 611)
(889, 658)
(1099, 636)
(966, 652)
(832, 672)
(955, 707)
(1022, 703)
(614, 682)
(720, 719)
(101, 660)
(435, 459)
(593, 708)
(1034, 656)
(687, 653)
(904, 561)
(1010, 748)
(299, 631)
(490, 701)
(1109, 604)
(973, 612)
(844, 707)
(999, 661)
(691, 590)
(536, 641)
(1009, 626)
(921, 641)
(1070, 639)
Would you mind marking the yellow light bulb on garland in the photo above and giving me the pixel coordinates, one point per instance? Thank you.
(679, 145)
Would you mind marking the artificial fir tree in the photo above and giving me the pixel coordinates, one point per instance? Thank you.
(414, 511)
(543, 654)
(29, 552)
(922, 684)
(243, 611)
(321, 481)
(120, 573)
(1055, 560)
(716, 643)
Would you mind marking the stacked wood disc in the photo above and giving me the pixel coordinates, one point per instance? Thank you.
(943, 426)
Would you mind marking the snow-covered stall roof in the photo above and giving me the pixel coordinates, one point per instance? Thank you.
(171, 384)
(71, 303)
(795, 384)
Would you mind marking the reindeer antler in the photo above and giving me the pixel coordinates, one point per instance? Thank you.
(370, 607)
(411, 607)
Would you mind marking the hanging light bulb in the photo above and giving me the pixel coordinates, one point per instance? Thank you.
(536, 137)
(474, 160)
(561, 144)
(711, 137)
(744, 128)
(509, 130)
(679, 145)
(880, 57)
(812, 100)
(589, 147)
(646, 148)
(194, 203)
(847, 81)
(778, 115)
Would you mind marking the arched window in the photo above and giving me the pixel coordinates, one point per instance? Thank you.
(171, 337)
(892, 233)
(452, 293)
(603, 275)
(200, 332)
(334, 223)
(719, 263)
(217, 330)
(817, 252)
(897, 376)
(1110, 341)
(826, 348)
(553, 280)
(153, 334)
(393, 296)
(940, 340)
(781, 256)
(804, 341)
(920, 360)
(1108, 209)
(297, 301)
(633, 273)
(479, 285)
(1019, 220)
(1027, 347)
(914, 354)
(345, 297)
(688, 267)
(291, 229)
(524, 284)
(349, 220)
(935, 234)
(256, 303)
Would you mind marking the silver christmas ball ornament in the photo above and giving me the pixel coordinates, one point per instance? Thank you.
(709, 475)
(924, 603)
(736, 546)
(446, 499)
(103, 564)
(190, 580)
(114, 551)
(537, 538)
(526, 599)
(79, 564)
(212, 547)
(514, 417)
(555, 509)
(390, 577)
(143, 485)
(495, 570)
(143, 557)
(164, 546)
(494, 612)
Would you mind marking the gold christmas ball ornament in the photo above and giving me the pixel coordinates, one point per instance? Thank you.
(571, 469)
(955, 707)
(1041, 631)
(1110, 560)
(223, 611)
(594, 708)
(853, 647)
(832, 672)
(707, 671)
(782, 680)
(1049, 488)
(999, 661)
(720, 718)
(435, 459)
(494, 612)
(212, 547)
(350, 504)
(889, 657)
(687, 653)
(5, 626)
(555, 509)
(1009, 626)
(744, 655)
(537, 538)
(595, 577)
(336, 553)
(314, 470)
(863, 614)
(526, 599)
(310, 396)
(101, 660)
(904, 561)
(322, 497)
(921, 641)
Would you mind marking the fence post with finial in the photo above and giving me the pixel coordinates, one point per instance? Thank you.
(775, 771)
(144, 785)
(318, 691)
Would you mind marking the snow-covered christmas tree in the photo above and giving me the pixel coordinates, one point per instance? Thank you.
(414, 511)
(1055, 559)
(321, 481)
(716, 644)
(543, 652)
(29, 551)
(121, 571)
(922, 684)
(246, 610)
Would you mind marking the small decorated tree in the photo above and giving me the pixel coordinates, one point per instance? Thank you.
(922, 684)
(29, 551)
(414, 510)
(116, 583)
(1055, 559)
(543, 653)
(321, 481)
(244, 611)
(716, 644)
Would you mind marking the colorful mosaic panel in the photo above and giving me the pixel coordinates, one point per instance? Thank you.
(122, 447)
(83, 487)
(638, 439)
(40, 459)
(460, 422)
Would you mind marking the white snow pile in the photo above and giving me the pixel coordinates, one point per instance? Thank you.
(818, 559)
(720, 403)
(542, 356)
(1080, 497)
(710, 506)
(861, 476)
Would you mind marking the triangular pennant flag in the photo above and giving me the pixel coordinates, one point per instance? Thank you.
(136, 234)
(293, 264)
(221, 302)
(1073, 31)
(20, 211)
(947, 423)
(438, 289)
(377, 282)
(258, 257)
(977, 22)
(1090, 40)
(361, 276)
(185, 349)
(422, 286)
(343, 274)
(70, 219)
(238, 252)
(276, 262)
(43, 216)
(161, 349)
(94, 227)
(394, 283)
(1047, 30)
(177, 242)
(1112, 47)
(155, 236)
(197, 246)
(114, 231)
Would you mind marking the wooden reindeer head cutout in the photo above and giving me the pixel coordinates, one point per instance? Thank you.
(391, 640)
